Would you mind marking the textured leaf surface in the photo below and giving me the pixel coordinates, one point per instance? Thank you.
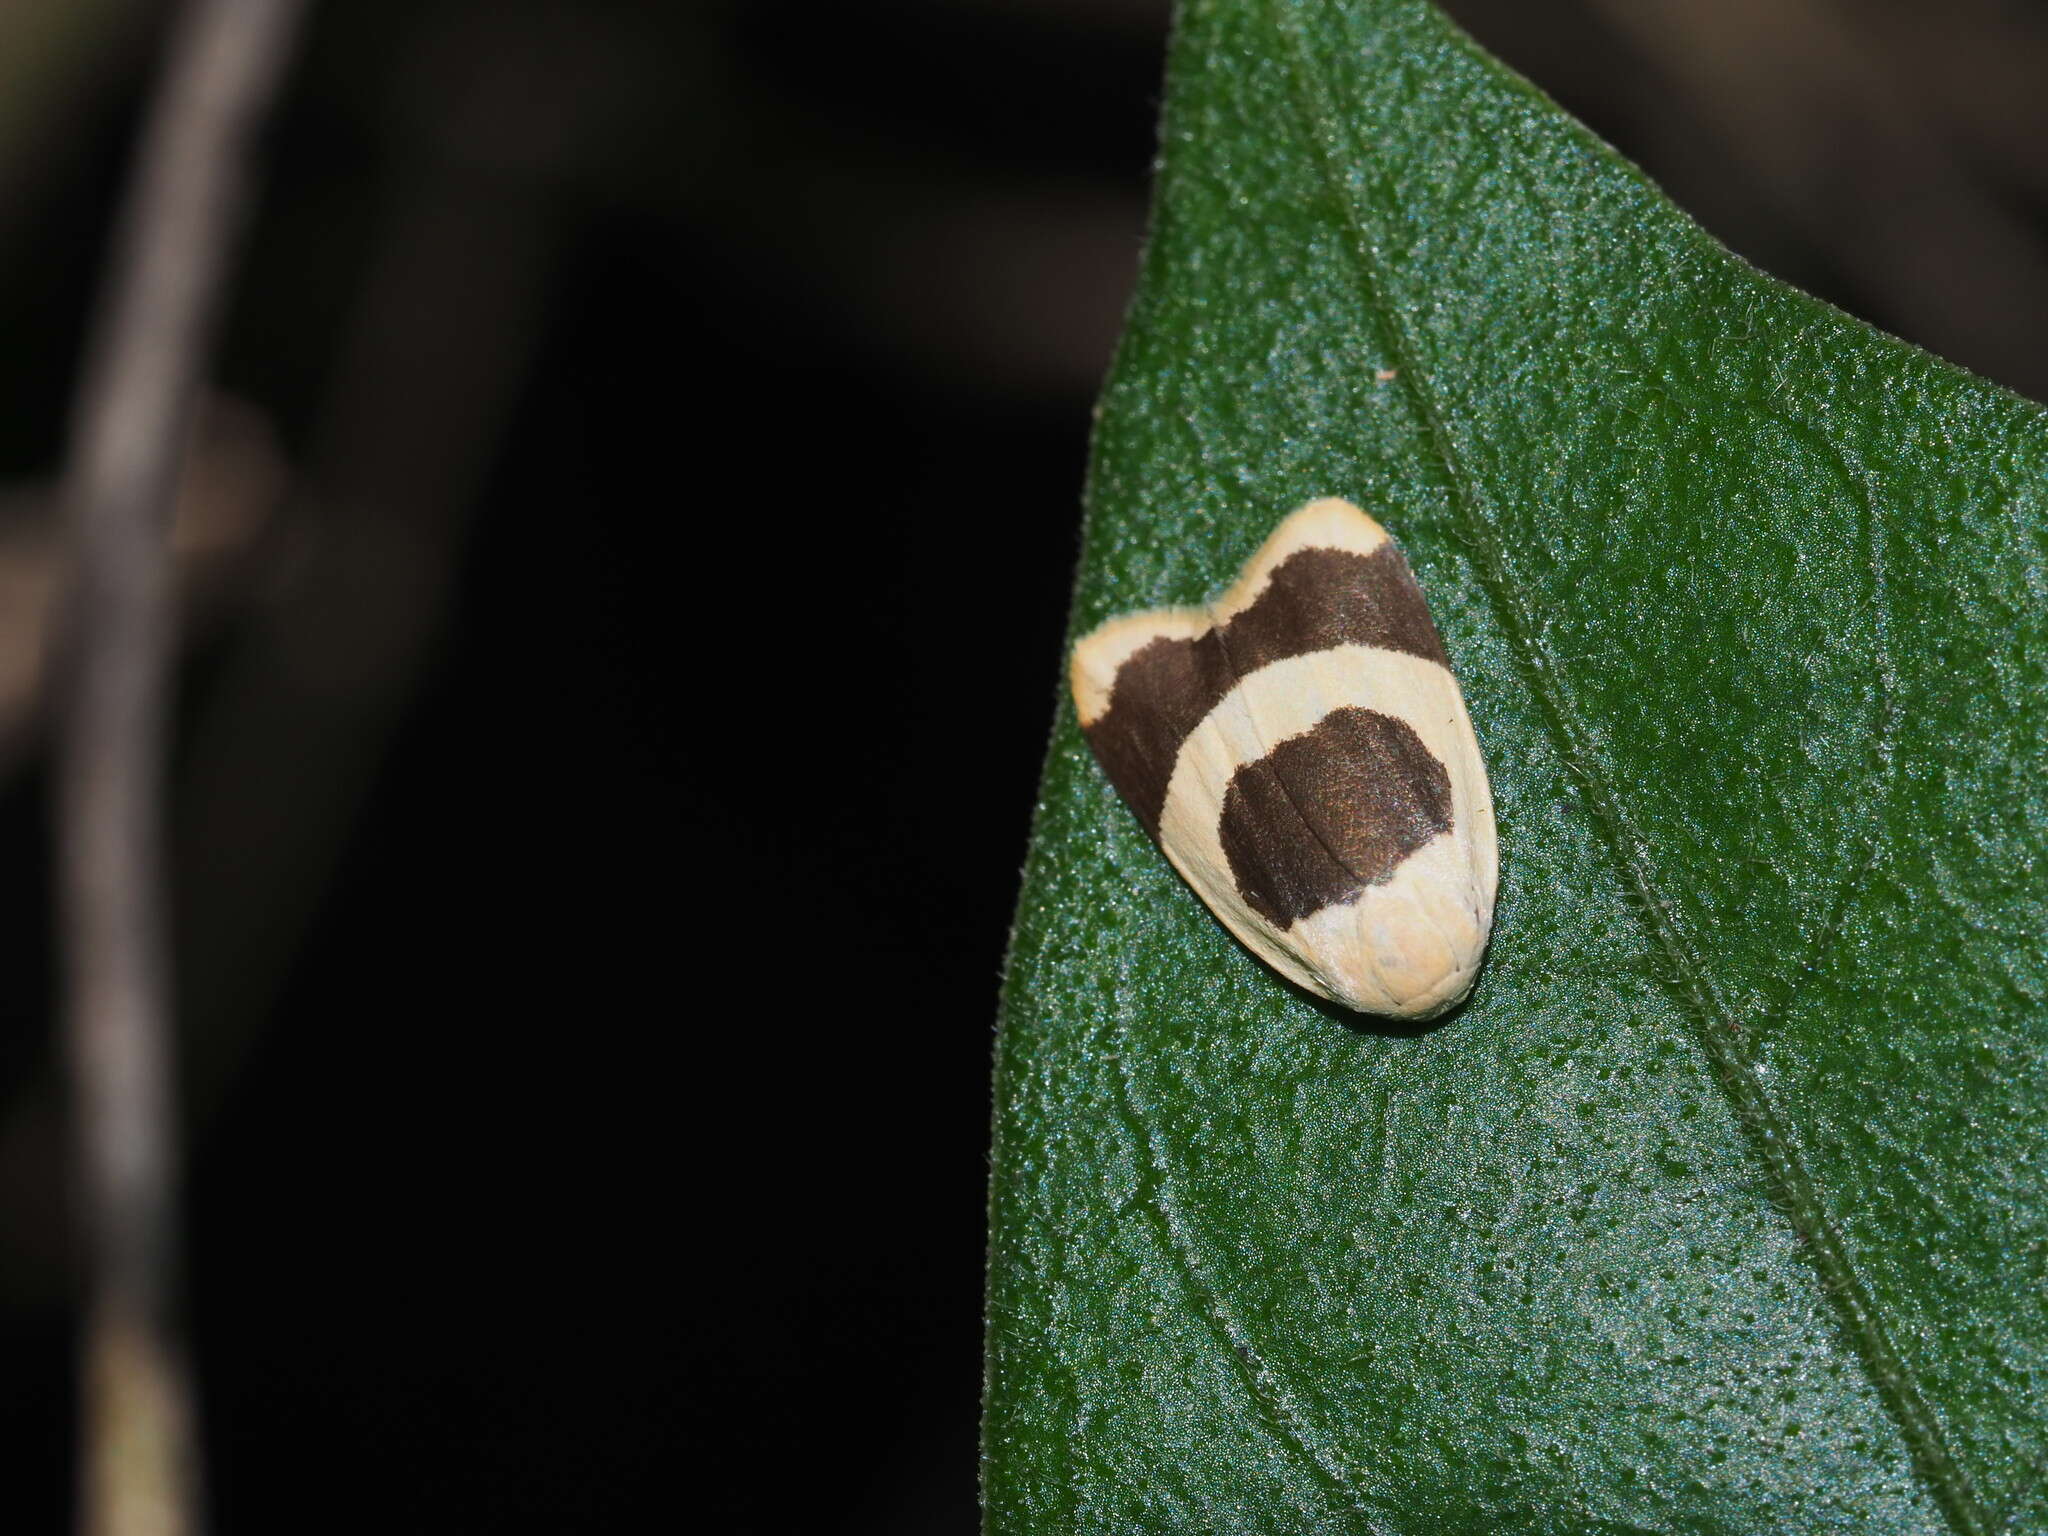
(1723, 1206)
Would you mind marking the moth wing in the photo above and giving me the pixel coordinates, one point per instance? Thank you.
(1357, 843)
(1188, 835)
(1099, 656)
(1330, 523)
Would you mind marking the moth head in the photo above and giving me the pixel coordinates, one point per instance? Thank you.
(1408, 949)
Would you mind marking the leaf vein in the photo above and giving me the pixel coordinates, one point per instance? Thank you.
(1716, 1027)
(1261, 1381)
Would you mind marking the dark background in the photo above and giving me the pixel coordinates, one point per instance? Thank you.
(625, 562)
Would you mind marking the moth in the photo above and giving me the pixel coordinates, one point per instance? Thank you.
(1300, 752)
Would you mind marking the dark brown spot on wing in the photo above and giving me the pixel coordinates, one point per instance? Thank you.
(1316, 598)
(1331, 811)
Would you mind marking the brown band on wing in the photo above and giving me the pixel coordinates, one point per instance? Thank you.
(1314, 599)
(1318, 598)
(1161, 694)
(1331, 811)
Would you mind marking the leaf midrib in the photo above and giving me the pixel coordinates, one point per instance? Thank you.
(1715, 1026)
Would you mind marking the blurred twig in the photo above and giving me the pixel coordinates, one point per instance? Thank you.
(233, 476)
(493, 135)
(139, 1462)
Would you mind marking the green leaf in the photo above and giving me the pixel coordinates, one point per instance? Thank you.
(1723, 1205)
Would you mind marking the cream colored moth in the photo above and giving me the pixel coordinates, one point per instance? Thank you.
(1301, 753)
